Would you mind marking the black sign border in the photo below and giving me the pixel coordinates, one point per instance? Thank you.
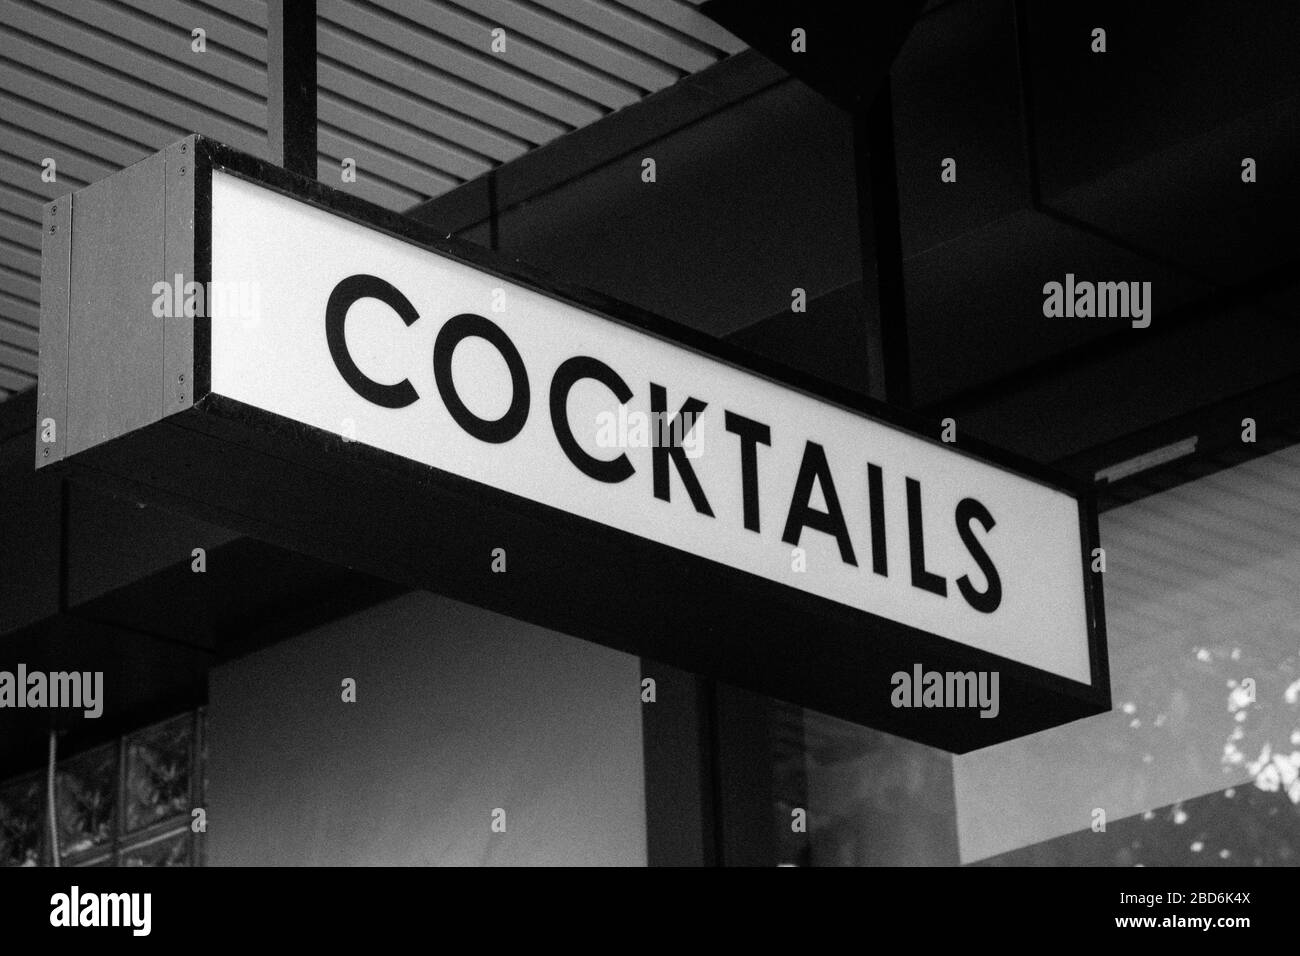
(1075, 699)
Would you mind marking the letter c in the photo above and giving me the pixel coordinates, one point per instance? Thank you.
(351, 290)
(566, 376)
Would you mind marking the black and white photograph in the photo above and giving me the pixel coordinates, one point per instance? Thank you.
(759, 434)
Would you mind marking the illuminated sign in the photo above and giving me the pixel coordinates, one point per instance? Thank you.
(320, 318)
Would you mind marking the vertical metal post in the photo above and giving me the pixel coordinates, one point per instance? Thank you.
(291, 84)
(745, 775)
(878, 225)
(680, 791)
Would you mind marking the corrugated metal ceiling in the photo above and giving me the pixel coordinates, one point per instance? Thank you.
(409, 89)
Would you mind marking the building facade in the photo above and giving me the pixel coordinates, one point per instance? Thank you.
(918, 234)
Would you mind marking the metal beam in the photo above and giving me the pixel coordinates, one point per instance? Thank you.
(291, 85)
(844, 57)
(1215, 306)
(882, 240)
(695, 99)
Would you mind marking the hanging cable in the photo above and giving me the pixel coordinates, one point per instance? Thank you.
(49, 797)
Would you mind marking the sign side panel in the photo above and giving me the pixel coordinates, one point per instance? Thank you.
(115, 346)
(177, 383)
(52, 376)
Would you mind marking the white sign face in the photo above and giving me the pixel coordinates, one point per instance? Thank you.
(377, 340)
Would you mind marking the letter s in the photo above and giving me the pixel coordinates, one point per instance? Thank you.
(988, 600)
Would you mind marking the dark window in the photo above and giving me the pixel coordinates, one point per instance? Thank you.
(128, 802)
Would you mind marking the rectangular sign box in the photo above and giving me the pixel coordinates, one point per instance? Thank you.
(303, 366)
